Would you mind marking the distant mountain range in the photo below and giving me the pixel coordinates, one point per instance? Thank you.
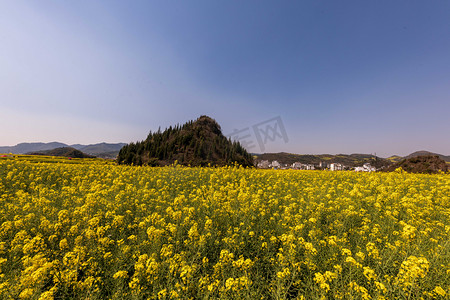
(103, 150)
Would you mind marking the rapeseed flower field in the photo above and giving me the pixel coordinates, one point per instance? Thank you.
(90, 230)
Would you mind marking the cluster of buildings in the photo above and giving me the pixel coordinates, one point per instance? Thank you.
(365, 168)
(265, 164)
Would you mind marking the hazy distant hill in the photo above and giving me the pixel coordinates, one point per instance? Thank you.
(63, 151)
(103, 150)
(351, 160)
(30, 147)
(196, 143)
(77, 146)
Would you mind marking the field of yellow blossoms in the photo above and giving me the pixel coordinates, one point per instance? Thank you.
(96, 230)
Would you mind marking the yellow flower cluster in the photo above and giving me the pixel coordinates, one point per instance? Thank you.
(411, 270)
(92, 230)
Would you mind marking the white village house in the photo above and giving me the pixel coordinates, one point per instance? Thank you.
(336, 167)
(323, 165)
(300, 166)
(275, 164)
(297, 165)
(367, 167)
(264, 164)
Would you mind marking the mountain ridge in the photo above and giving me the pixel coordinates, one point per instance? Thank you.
(103, 150)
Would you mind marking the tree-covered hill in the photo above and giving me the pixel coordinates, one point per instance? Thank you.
(63, 151)
(428, 164)
(196, 143)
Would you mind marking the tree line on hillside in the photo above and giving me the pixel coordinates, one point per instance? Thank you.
(196, 143)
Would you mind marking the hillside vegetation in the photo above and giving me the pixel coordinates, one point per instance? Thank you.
(427, 153)
(351, 160)
(428, 164)
(196, 143)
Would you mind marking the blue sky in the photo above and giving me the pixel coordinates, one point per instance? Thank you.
(343, 76)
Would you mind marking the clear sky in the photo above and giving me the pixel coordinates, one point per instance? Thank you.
(343, 76)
